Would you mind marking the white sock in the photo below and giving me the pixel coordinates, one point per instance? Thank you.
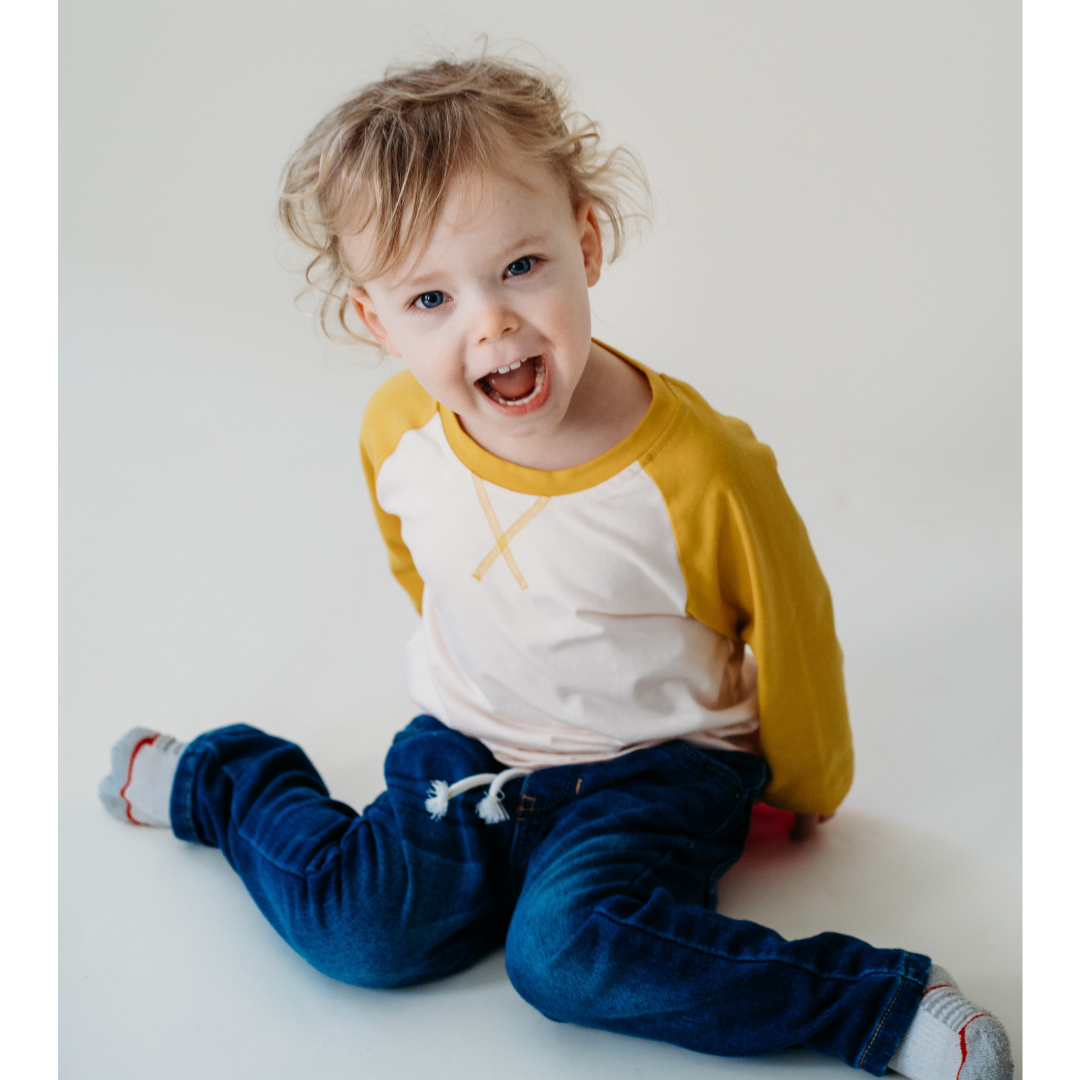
(951, 1039)
(139, 788)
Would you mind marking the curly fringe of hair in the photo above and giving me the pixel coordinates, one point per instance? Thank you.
(386, 158)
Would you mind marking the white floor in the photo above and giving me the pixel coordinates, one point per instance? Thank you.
(835, 261)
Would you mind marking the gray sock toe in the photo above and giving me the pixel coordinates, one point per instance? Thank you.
(989, 1055)
(108, 793)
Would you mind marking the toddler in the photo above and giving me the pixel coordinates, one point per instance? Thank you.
(625, 639)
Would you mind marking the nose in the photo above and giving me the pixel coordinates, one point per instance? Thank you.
(492, 319)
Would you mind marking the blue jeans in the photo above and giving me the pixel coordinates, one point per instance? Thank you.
(600, 886)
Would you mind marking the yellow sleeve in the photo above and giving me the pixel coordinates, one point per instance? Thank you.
(398, 406)
(752, 576)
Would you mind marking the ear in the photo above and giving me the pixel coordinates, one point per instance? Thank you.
(592, 246)
(365, 308)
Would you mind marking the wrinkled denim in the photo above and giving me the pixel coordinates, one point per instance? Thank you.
(600, 886)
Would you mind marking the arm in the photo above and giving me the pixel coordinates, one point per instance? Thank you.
(751, 576)
(398, 406)
(780, 604)
(401, 560)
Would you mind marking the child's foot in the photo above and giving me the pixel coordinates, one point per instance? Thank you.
(951, 1039)
(139, 788)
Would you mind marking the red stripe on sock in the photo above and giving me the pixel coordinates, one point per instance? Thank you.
(963, 1043)
(936, 986)
(148, 741)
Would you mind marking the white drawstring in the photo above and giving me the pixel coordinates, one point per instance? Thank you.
(490, 807)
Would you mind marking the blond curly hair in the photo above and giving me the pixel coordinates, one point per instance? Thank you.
(385, 159)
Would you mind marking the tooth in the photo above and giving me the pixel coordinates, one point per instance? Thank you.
(514, 366)
(503, 370)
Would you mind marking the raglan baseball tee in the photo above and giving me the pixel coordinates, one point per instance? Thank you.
(575, 615)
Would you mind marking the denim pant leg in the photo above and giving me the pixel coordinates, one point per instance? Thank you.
(379, 899)
(614, 927)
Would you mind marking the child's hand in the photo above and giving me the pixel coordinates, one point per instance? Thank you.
(806, 825)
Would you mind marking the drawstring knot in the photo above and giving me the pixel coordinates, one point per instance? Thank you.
(490, 807)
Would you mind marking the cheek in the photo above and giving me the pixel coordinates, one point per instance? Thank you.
(427, 374)
(568, 306)
(443, 381)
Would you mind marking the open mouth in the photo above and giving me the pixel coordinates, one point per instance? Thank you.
(517, 384)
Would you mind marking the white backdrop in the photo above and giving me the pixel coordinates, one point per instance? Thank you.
(835, 260)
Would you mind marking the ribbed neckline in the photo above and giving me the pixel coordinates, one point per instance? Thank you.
(661, 413)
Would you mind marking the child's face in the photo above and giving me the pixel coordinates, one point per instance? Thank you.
(503, 284)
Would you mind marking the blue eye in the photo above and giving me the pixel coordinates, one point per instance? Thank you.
(430, 299)
(521, 266)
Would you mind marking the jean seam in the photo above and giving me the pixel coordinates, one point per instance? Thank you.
(725, 956)
(189, 795)
(903, 977)
(189, 805)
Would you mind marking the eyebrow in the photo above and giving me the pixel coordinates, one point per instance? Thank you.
(417, 282)
(532, 240)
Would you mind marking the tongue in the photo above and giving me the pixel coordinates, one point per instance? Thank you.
(514, 384)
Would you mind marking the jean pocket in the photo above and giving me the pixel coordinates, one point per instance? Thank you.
(741, 771)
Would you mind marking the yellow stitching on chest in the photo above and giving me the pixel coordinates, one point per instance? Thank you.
(502, 539)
